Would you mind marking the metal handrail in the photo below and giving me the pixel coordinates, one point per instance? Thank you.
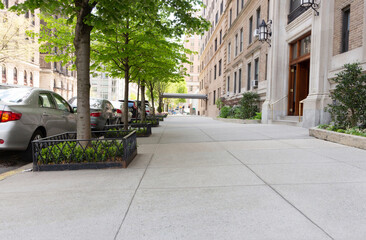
(300, 108)
(272, 104)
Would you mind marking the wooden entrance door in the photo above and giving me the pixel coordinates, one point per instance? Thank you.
(298, 74)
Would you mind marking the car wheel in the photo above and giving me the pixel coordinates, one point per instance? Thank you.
(38, 134)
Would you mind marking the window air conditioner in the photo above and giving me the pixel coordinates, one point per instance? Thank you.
(255, 83)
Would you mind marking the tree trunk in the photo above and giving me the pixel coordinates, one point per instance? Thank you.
(82, 51)
(152, 98)
(160, 107)
(143, 108)
(125, 103)
(127, 81)
(137, 100)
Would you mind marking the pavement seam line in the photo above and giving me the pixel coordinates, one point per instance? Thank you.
(138, 186)
(285, 199)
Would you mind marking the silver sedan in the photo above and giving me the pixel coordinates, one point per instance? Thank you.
(29, 113)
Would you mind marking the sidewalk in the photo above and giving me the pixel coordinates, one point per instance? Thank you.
(196, 178)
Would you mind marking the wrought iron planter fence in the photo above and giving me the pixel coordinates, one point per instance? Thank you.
(153, 121)
(65, 152)
(142, 129)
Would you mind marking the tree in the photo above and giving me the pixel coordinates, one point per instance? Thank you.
(349, 98)
(99, 15)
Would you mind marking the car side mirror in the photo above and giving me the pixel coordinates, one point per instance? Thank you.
(74, 109)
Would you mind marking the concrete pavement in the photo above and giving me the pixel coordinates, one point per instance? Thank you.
(196, 178)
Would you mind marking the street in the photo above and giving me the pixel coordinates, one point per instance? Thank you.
(197, 178)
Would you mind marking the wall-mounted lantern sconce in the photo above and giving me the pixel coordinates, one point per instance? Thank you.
(265, 32)
(310, 4)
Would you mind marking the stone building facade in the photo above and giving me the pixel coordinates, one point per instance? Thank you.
(212, 57)
(192, 43)
(308, 50)
(232, 59)
(27, 67)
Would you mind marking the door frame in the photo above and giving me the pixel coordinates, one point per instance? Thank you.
(293, 110)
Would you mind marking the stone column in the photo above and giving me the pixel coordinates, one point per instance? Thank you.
(320, 60)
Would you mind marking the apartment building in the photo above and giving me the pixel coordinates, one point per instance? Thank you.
(192, 80)
(246, 57)
(21, 62)
(212, 57)
(309, 47)
(232, 59)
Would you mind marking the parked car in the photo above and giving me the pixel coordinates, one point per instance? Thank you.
(132, 107)
(28, 113)
(147, 107)
(118, 106)
(101, 112)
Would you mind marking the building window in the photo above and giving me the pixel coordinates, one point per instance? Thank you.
(265, 71)
(237, 8)
(191, 88)
(236, 45)
(215, 68)
(250, 29)
(241, 39)
(256, 69)
(242, 4)
(234, 82)
(26, 15)
(231, 17)
(295, 10)
(15, 76)
(3, 74)
(268, 4)
(228, 84)
(217, 17)
(215, 44)
(258, 17)
(25, 78)
(239, 85)
(220, 67)
(229, 52)
(220, 37)
(214, 97)
(249, 76)
(6, 3)
(221, 7)
(31, 79)
(346, 13)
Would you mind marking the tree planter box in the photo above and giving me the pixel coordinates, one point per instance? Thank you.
(139, 126)
(159, 117)
(341, 138)
(241, 121)
(156, 124)
(64, 152)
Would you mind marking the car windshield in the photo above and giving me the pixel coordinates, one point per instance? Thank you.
(13, 95)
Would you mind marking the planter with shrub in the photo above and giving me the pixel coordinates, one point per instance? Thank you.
(64, 152)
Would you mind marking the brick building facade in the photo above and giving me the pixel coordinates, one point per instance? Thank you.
(27, 67)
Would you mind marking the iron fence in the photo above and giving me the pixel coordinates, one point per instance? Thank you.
(65, 151)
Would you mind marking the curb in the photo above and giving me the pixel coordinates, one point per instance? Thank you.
(15, 171)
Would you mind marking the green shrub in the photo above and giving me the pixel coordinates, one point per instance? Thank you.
(349, 98)
(258, 116)
(249, 105)
(225, 111)
(71, 152)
